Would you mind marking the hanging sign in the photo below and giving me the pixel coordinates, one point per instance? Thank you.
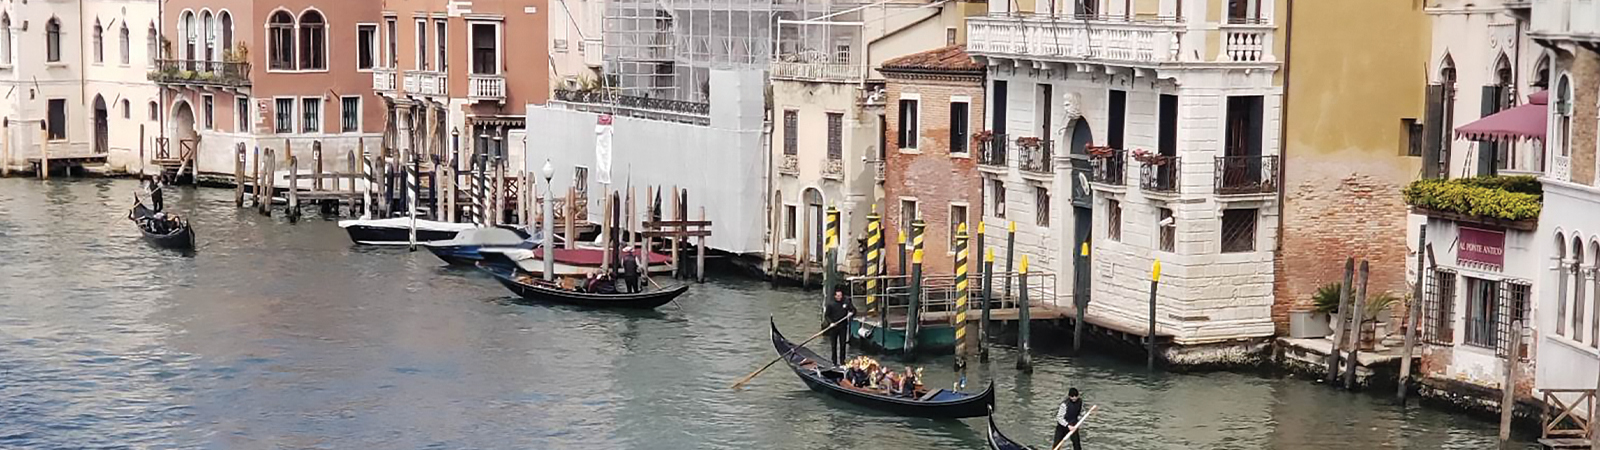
(1480, 247)
(602, 149)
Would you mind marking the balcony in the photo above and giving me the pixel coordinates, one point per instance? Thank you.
(1034, 155)
(992, 150)
(1136, 42)
(1244, 175)
(1247, 42)
(1158, 173)
(383, 80)
(426, 82)
(821, 72)
(634, 106)
(201, 73)
(482, 88)
(789, 165)
(833, 168)
(1108, 166)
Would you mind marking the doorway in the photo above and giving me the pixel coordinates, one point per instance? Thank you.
(101, 131)
(814, 218)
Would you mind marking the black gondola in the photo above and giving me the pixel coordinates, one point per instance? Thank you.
(162, 232)
(536, 291)
(999, 441)
(823, 376)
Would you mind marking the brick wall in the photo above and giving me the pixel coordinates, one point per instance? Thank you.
(1585, 72)
(1330, 215)
(931, 175)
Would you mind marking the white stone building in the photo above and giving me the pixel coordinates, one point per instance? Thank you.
(83, 72)
(1076, 90)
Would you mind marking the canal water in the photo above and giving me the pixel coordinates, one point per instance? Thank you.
(285, 336)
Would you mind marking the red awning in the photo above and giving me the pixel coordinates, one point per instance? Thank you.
(1522, 122)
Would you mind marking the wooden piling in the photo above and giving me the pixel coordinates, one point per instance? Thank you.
(1080, 301)
(1340, 319)
(570, 218)
(1357, 317)
(44, 151)
(988, 295)
(1024, 321)
(1412, 318)
(913, 319)
(803, 254)
(316, 166)
(1508, 389)
(499, 192)
(1150, 333)
(700, 251)
(268, 188)
(238, 176)
(606, 234)
(353, 171)
(677, 261)
(293, 213)
(5, 149)
(902, 234)
(255, 178)
(1011, 256)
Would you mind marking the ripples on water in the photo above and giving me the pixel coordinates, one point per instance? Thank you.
(277, 335)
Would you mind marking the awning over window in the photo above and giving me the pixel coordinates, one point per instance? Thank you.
(1522, 122)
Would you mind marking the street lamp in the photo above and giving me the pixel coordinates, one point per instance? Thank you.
(549, 171)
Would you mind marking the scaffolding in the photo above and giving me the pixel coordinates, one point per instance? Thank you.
(667, 48)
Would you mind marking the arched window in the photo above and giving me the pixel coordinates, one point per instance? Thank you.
(313, 41)
(127, 108)
(5, 39)
(226, 26)
(124, 44)
(155, 111)
(99, 42)
(1447, 79)
(52, 40)
(1577, 288)
(1594, 278)
(188, 37)
(209, 25)
(1561, 284)
(1541, 73)
(1562, 110)
(281, 39)
(152, 43)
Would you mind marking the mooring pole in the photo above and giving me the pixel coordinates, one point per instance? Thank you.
(1080, 301)
(1508, 389)
(238, 175)
(874, 259)
(830, 243)
(1357, 318)
(294, 189)
(1150, 334)
(1024, 320)
(962, 292)
(988, 295)
(1339, 320)
(411, 199)
(1011, 257)
(913, 319)
(905, 247)
(1413, 319)
(255, 178)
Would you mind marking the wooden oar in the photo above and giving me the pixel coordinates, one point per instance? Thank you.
(1075, 429)
(808, 340)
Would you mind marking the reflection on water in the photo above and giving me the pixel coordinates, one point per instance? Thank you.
(278, 335)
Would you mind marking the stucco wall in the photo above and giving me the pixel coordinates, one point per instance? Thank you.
(854, 193)
(1461, 361)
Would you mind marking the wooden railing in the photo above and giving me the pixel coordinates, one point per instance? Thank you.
(1562, 419)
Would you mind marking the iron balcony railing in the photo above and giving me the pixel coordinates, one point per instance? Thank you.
(1035, 158)
(992, 151)
(1158, 173)
(1237, 175)
(634, 106)
(1109, 168)
(201, 72)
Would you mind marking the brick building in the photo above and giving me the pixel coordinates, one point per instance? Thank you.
(941, 91)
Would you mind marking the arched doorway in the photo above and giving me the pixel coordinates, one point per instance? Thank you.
(1082, 204)
(814, 218)
(101, 132)
(183, 135)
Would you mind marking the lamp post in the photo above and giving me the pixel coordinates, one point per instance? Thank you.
(549, 172)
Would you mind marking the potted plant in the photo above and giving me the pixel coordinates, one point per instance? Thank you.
(1030, 142)
(982, 137)
(1378, 310)
(1148, 158)
(1100, 151)
(1319, 319)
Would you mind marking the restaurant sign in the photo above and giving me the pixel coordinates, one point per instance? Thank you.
(1483, 248)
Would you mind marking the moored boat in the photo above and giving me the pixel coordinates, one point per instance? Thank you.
(397, 230)
(528, 287)
(570, 262)
(465, 249)
(164, 232)
(824, 376)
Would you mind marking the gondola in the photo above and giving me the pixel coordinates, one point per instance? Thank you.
(999, 441)
(162, 232)
(464, 249)
(537, 290)
(397, 230)
(823, 376)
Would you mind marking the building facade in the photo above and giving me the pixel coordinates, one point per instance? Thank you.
(77, 77)
(938, 102)
(1163, 147)
(286, 75)
(576, 47)
(829, 130)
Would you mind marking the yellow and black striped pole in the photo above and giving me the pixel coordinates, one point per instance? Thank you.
(830, 276)
(1024, 322)
(961, 296)
(874, 259)
(918, 228)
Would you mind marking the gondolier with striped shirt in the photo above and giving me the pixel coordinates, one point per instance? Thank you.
(1067, 418)
(839, 336)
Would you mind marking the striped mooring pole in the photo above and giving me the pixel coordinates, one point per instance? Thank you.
(874, 258)
(366, 195)
(830, 248)
(961, 296)
(411, 199)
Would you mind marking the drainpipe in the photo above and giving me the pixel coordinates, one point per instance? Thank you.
(1283, 118)
(83, 79)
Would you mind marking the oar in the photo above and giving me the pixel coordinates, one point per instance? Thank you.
(808, 340)
(1075, 429)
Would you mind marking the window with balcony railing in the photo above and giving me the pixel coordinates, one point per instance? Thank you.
(992, 148)
(1034, 155)
(1246, 175)
(1158, 173)
(1107, 165)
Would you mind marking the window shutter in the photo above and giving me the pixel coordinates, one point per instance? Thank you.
(1488, 151)
(1433, 123)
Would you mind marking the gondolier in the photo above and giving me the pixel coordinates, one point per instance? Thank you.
(153, 188)
(630, 270)
(1067, 418)
(839, 337)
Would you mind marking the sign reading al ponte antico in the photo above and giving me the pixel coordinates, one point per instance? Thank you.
(1481, 248)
